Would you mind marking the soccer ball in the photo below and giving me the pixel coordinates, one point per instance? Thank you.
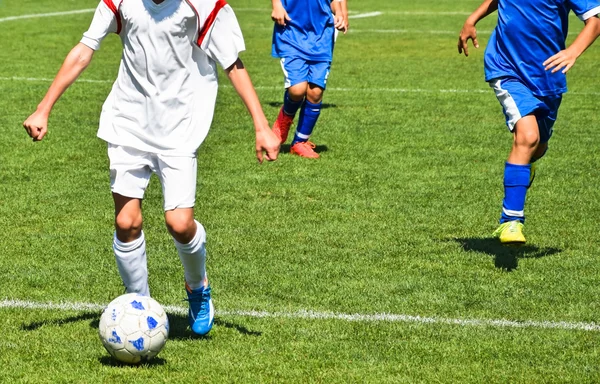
(133, 328)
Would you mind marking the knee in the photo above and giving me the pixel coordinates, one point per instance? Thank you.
(297, 92)
(181, 226)
(128, 226)
(528, 138)
(314, 95)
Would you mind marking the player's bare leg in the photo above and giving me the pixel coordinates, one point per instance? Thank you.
(526, 139)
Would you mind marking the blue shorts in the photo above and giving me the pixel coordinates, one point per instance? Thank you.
(517, 101)
(298, 70)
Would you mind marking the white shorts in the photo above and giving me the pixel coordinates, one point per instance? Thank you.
(130, 171)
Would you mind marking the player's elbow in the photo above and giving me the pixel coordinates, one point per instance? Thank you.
(593, 22)
(81, 55)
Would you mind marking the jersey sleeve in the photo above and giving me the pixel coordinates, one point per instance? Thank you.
(585, 9)
(223, 41)
(105, 21)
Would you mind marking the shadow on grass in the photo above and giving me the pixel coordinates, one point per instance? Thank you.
(109, 361)
(505, 256)
(178, 325)
(58, 322)
(285, 148)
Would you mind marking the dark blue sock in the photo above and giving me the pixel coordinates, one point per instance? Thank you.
(290, 107)
(309, 114)
(516, 181)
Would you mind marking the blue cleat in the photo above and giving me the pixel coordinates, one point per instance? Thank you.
(202, 311)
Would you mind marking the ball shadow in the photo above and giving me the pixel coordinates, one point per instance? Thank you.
(110, 361)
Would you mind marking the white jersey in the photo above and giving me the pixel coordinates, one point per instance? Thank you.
(164, 96)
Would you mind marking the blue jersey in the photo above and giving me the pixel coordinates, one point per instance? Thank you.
(310, 32)
(528, 33)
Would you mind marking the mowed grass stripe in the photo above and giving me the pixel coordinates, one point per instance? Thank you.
(315, 315)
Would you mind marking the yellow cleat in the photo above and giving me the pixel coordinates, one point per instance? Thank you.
(510, 232)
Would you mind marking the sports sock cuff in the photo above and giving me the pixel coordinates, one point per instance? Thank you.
(128, 247)
(516, 175)
(311, 105)
(196, 243)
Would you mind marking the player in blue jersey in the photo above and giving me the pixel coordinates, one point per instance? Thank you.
(303, 39)
(526, 60)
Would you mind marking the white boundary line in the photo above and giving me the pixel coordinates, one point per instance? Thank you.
(366, 14)
(315, 315)
(52, 14)
(331, 89)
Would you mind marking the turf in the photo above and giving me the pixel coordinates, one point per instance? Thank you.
(395, 218)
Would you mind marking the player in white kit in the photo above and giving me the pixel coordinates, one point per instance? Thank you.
(156, 116)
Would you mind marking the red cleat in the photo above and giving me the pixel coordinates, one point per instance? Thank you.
(305, 149)
(282, 125)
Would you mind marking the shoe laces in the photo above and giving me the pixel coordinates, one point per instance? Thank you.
(201, 298)
(513, 227)
(309, 144)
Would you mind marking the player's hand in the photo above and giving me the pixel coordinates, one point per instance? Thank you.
(280, 15)
(468, 32)
(267, 144)
(340, 23)
(562, 60)
(36, 126)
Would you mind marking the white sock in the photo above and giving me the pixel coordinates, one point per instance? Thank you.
(193, 258)
(132, 264)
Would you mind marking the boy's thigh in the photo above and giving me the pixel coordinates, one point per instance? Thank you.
(298, 70)
(517, 101)
(130, 171)
(177, 176)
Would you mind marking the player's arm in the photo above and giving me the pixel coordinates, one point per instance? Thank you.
(339, 21)
(266, 141)
(223, 44)
(566, 58)
(344, 5)
(469, 31)
(279, 14)
(103, 23)
(75, 63)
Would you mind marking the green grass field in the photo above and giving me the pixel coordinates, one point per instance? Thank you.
(372, 264)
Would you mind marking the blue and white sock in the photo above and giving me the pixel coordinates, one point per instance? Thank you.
(516, 182)
(290, 107)
(309, 114)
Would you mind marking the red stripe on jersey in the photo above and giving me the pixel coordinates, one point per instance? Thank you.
(115, 10)
(210, 20)
(202, 31)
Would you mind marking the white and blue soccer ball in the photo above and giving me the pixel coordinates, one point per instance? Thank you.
(133, 328)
